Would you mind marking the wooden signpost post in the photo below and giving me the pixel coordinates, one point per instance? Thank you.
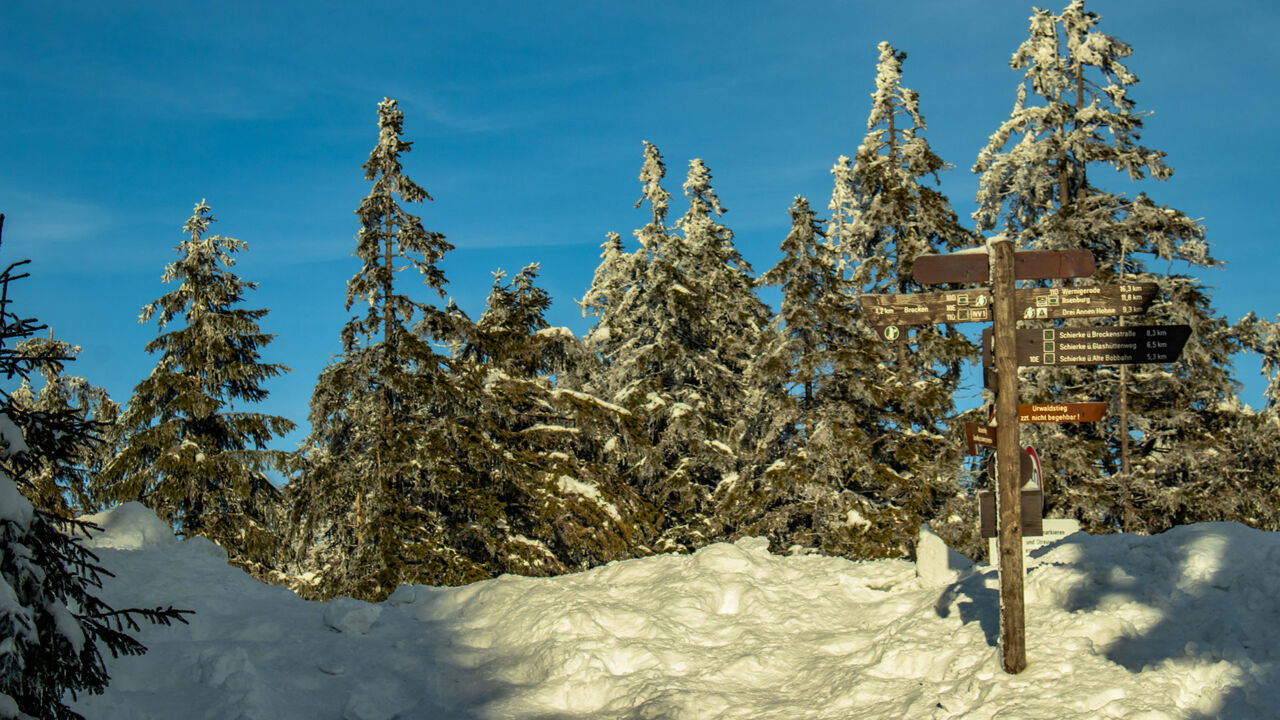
(1007, 348)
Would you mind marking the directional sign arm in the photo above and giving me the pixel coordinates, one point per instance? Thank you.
(1109, 345)
(967, 267)
(1087, 301)
(927, 308)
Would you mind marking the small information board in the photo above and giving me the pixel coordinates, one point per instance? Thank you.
(979, 435)
(1054, 529)
(1032, 513)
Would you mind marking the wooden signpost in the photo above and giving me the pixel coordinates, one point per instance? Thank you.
(1006, 348)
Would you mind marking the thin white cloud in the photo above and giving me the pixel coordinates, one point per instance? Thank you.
(36, 221)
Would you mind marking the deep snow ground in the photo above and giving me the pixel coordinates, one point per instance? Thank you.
(1181, 625)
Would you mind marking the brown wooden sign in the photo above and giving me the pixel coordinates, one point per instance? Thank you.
(1032, 303)
(1095, 301)
(926, 308)
(1032, 513)
(979, 435)
(1101, 345)
(965, 267)
(1113, 345)
(1061, 412)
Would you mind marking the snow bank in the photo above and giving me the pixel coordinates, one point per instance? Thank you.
(131, 526)
(349, 615)
(937, 564)
(1177, 625)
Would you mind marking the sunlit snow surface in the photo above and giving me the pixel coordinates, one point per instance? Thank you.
(1180, 625)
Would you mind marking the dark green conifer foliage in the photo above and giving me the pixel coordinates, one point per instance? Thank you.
(1041, 185)
(54, 626)
(189, 452)
(563, 505)
(374, 504)
(793, 492)
(71, 488)
(1263, 337)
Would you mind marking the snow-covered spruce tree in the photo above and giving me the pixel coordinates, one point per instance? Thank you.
(384, 495)
(1040, 186)
(897, 397)
(189, 453)
(614, 290)
(679, 328)
(1263, 337)
(53, 626)
(564, 506)
(1247, 447)
(791, 492)
(70, 488)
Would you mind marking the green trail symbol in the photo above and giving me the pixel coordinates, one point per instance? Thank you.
(891, 332)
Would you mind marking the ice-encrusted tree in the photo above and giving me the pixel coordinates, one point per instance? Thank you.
(794, 493)
(1043, 184)
(53, 625)
(611, 298)
(816, 315)
(560, 504)
(381, 469)
(1263, 337)
(677, 333)
(901, 396)
(843, 207)
(69, 488)
(189, 452)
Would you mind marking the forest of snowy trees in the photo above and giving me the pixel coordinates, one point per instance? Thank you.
(445, 449)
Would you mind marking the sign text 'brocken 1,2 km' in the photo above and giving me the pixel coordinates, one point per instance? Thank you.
(927, 308)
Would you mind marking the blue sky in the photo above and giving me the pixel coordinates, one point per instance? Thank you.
(527, 121)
